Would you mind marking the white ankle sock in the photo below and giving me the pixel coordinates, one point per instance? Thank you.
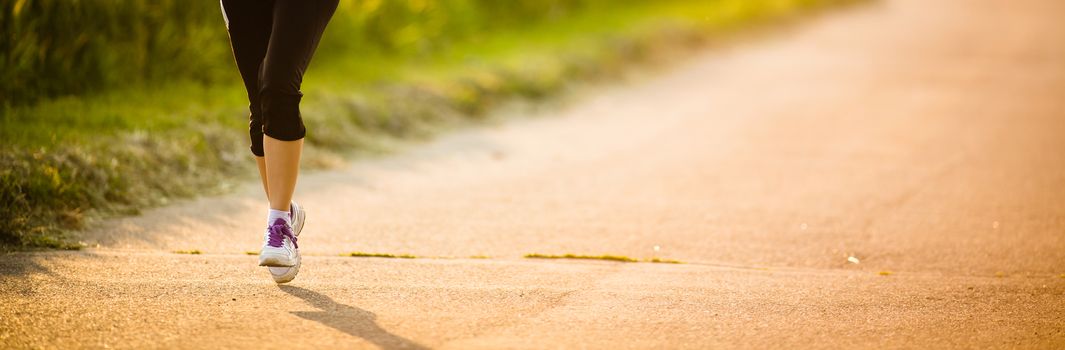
(277, 214)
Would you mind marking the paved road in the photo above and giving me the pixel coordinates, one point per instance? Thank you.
(925, 139)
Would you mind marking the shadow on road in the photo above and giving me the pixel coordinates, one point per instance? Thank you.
(348, 319)
(20, 265)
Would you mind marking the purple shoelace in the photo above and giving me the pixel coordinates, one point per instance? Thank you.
(278, 231)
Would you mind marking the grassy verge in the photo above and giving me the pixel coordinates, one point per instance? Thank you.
(69, 159)
(606, 257)
(618, 258)
(189, 252)
(379, 255)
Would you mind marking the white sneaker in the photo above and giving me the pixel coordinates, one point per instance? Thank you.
(287, 274)
(279, 245)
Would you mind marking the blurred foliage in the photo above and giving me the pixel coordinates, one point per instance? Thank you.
(53, 47)
(59, 47)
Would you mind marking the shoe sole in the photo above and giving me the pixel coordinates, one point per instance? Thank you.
(285, 274)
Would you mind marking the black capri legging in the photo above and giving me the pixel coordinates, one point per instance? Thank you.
(273, 42)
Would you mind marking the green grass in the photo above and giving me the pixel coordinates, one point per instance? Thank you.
(117, 150)
(607, 257)
(379, 255)
(618, 258)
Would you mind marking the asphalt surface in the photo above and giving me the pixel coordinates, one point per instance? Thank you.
(924, 140)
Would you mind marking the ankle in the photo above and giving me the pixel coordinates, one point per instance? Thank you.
(273, 215)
